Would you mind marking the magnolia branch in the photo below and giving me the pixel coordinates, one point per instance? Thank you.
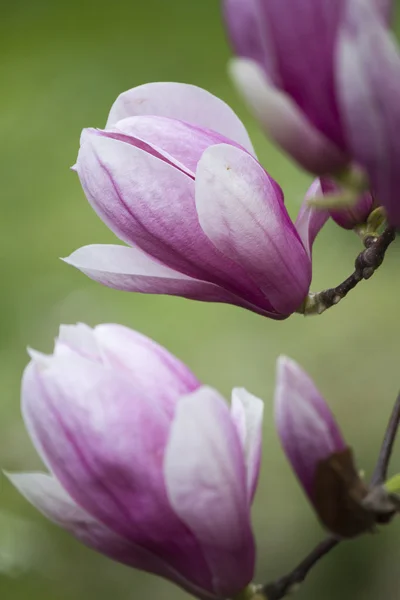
(380, 472)
(287, 584)
(367, 262)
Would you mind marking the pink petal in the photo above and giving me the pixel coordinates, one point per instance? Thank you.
(300, 56)
(46, 494)
(184, 102)
(310, 220)
(247, 414)
(385, 8)
(79, 338)
(140, 358)
(206, 482)
(135, 355)
(349, 217)
(130, 269)
(369, 86)
(284, 121)
(245, 30)
(182, 141)
(303, 40)
(104, 439)
(305, 424)
(150, 204)
(119, 134)
(242, 212)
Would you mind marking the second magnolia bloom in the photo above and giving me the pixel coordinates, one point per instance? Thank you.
(322, 77)
(147, 466)
(174, 176)
(287, 70)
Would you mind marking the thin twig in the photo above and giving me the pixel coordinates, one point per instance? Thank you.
(380, 473)
(367, 262)
(280, 588)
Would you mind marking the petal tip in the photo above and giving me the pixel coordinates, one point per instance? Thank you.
(247, 397)
(71, 259)
(40, 359)
(285, 366)
(8, 475)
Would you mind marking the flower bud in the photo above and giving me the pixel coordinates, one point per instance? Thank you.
(147, 466)
(202, 217)
(321, 459)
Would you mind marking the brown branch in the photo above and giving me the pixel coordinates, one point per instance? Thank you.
(366, 263)
(286, 584)
(380, 472)
(280, 588)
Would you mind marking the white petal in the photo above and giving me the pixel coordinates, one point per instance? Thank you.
(181, 101)
(206, 483)
(310, 219)
(132, 270)
(43, 361)
(242, 212)
(46, 494)
(247, 413)
(77, 338)
(283, 120)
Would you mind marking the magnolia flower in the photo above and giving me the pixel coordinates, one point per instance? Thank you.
(321, 459)
(350, 216)
(369, 78)
(286, 69)
(175, 177)
(146, 465)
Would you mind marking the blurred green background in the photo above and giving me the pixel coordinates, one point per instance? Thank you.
(62, 65)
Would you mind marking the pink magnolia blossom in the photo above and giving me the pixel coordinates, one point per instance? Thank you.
(369, 81)
(146, 465)
(286, 69)
(175, 177)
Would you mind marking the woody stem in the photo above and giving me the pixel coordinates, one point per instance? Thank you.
(285, 585)
(366, 263)
(380, 473)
